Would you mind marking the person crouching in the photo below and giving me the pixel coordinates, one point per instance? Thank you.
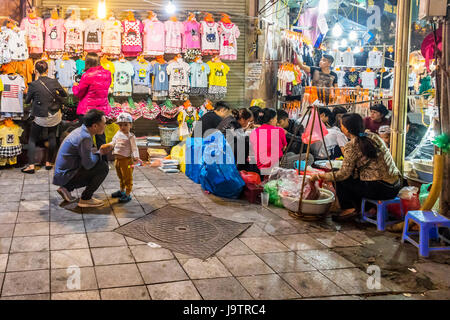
(126, 154)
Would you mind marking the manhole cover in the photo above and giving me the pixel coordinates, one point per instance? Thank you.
(184, 231)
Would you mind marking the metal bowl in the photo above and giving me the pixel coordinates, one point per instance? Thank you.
(311, 207)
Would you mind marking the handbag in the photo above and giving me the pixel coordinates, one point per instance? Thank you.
(56, 99)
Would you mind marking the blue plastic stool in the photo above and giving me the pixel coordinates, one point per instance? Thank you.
(382, 213)
(428, 222)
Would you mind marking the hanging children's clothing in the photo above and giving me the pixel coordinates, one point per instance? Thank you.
(54, 35)
(24, 68)
(80, 65)
(141, 80)
(341, 78)
(351, 78)
(65, 73)
(123, 73)
(228, 41)
(5, 54)
(161, 81)
(111, 37)
(154, 37)
(51, 68)
(187, 119)
(191, 35)
(368, 79)
(13, 86)
(34, 28)
(199, 72)
(210, 38)
(344, 59)
(218, 80)
(93, 29)
(17, 45)
(179, 80)
(375, 59)
(10, 146)
(361, 58)
(131, 37)
(108, 65)
(389, 59)
(74, 36)
(174, 31)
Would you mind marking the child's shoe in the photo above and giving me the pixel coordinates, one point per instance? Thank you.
(124, 199)
(118, 194)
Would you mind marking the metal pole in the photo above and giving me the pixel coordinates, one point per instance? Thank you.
(399, 110)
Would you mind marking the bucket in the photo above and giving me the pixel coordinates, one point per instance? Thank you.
(169, 136)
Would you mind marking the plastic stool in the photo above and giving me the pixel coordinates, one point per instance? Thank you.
(382, 212)
(428, 221)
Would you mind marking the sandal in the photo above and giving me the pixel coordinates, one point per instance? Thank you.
(345, 216)
(30, 171)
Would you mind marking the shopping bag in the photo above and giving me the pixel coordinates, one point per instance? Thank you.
(316, 129)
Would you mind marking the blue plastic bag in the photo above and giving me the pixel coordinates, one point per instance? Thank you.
(194, 158)
(219, 174)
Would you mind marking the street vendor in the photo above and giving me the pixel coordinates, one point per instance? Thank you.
(368, 169)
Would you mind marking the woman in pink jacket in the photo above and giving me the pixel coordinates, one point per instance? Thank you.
(92, 91)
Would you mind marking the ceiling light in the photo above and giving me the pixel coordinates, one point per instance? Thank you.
(323, 6)
(337, 30)
(171, 8)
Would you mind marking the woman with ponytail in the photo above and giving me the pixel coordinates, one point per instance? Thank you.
(368, 170)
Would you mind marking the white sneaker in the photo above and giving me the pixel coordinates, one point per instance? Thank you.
(92, 203)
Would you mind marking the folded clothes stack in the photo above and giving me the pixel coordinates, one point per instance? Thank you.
(170, 166)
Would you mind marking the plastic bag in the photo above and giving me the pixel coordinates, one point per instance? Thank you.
(219, 174)
(250, 177)
(194, 158)
(271, 188)
(316, 131)
(409, 197)
(178, 153)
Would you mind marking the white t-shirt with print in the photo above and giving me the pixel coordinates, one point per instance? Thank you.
(178, 73)
(375, 59)
(341, 80)
(368, 79)
(74, 31)
(93, 34)
(12, 95)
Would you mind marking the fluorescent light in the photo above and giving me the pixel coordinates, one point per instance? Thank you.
(336, 45)
(101, 9)
(337, 30)
(171, 8)
(353, 35)
(357, 49)
(323, 6)
(344, 43)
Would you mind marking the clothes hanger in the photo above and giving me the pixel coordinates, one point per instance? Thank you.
(160, 59)
(191, 17)
(130, 16)
(209, 17)
(225, 18)
(65, 56)
(174, 18)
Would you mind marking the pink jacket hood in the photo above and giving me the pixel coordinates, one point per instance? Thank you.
(92, 91)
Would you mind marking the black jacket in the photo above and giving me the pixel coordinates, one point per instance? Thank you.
(44, 102)
(297, 143)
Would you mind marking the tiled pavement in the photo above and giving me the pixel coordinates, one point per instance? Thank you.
(276, 258)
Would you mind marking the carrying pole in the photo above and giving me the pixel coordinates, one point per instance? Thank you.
(399, 110)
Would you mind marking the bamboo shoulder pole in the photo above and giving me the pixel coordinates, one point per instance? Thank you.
(399, 110)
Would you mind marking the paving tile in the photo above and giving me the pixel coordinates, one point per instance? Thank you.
(235, 248)
(8, 217)
(325, 259)
(42, 296)
(161, 271)
(268, 287)
(6, 230)
(31, 229)
(121, 275)
(27, 244)
(277, 227)
(221, 289)
(9, 206)
(27, 187)
(300, 242)
(111, 255)
(79, 295)
(127, 293)
(33, 216)
(353, 281)
(264, 244)
(104, 212)
(66, 258)
(286, 262)
(245, 265)
(359, 235)
(134, 242)
(32, 196)
(101, 225)
(106, 239)
(14, 196)
(66, 227)
(37, 205)
(129, 212)
(5, 244)
(144, 253)
(312, 284)
(336, 298)
(26, 282)
(71, 279)
(124, 221)
(334, 239)
(438, 273)
(64, 215)
(3, 262)
(204, 269)
(182, 290)
(68, 241)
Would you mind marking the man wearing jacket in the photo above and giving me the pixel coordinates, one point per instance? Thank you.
(77, 166)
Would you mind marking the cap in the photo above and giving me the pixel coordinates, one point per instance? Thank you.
(124, 117)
